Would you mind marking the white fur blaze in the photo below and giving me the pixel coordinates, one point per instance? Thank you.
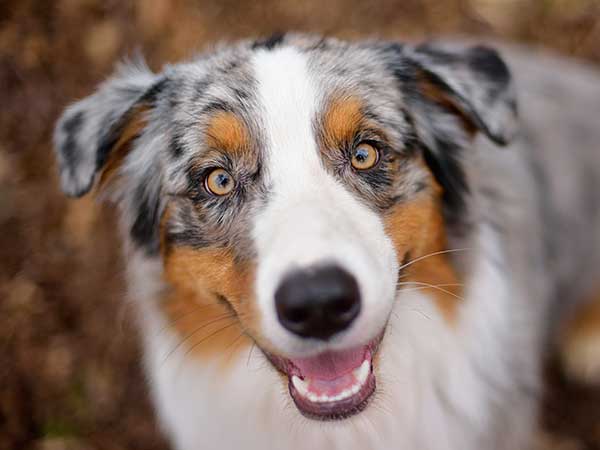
(310, 217)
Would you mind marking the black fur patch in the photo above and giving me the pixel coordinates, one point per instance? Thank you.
(448, 171)
(144, 230)
(270, 42)
(241, 95)
(438, 55)
(175, 147)
(217, 105)
(200, 88)
(152, 93)
(486, 61)
(108, 139)
(444, 163)
(71, 127)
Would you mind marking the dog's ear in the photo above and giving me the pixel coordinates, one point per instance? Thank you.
(452, 93)
(472, 82)
(94, 135)
(108, 136)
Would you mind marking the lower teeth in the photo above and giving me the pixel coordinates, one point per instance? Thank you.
(360, 374)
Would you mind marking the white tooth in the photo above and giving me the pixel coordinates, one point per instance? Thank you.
(300, 385)
(362, 373)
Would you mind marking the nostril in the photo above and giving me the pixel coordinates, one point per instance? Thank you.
(344, 309)
(318, 302)
(297, 315)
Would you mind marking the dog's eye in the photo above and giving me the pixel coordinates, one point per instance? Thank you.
(219, 182)
(364, 156)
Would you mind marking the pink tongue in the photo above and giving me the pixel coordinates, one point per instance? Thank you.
(330, 365)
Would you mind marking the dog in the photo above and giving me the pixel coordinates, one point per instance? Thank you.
(357, 245)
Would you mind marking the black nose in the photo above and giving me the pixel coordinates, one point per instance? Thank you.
(318, 302)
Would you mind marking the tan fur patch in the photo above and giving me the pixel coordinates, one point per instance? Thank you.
(228, 132)
(580, 342)
(342, 120)
(210, 292)
(417, 229)
(122, 147)
(437, 95)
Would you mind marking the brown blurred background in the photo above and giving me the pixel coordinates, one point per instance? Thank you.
(69, 363)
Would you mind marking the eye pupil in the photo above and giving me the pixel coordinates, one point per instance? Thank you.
(361, 155)
(222, 180)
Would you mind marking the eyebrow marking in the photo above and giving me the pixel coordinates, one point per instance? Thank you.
(228, 132)
(342, 120)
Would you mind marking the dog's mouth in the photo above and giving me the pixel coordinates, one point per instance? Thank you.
(332, 385)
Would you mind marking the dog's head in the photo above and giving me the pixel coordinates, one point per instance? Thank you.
(290, 187)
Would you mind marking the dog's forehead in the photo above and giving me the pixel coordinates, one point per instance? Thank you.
(299, 77)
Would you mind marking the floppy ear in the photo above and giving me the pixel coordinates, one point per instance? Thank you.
(474, 80)
(93, 130)
(110, 133)
(451, 94)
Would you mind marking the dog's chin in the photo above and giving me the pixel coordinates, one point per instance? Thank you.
(332, 385)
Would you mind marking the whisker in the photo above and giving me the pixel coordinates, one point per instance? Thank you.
(250, 353)
(183, 316)
(433, 286)
(229, 350)
(209, 336)
(441, 252)
(412, 310)
(404, 283)
(204, 325)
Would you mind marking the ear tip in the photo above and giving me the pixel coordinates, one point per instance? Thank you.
(76, 165)
(507, 132)
(75, 185)
(488, 61)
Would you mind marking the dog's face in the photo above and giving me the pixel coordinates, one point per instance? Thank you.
(290, 187)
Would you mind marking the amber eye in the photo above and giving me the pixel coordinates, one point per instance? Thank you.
(219, 182)
(364, 156)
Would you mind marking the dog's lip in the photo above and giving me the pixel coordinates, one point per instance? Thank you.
(332, 385)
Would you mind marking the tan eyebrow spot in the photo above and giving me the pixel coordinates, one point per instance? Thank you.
(228, 132)
(342, 120)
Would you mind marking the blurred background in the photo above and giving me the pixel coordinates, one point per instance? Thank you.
(69, 361)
